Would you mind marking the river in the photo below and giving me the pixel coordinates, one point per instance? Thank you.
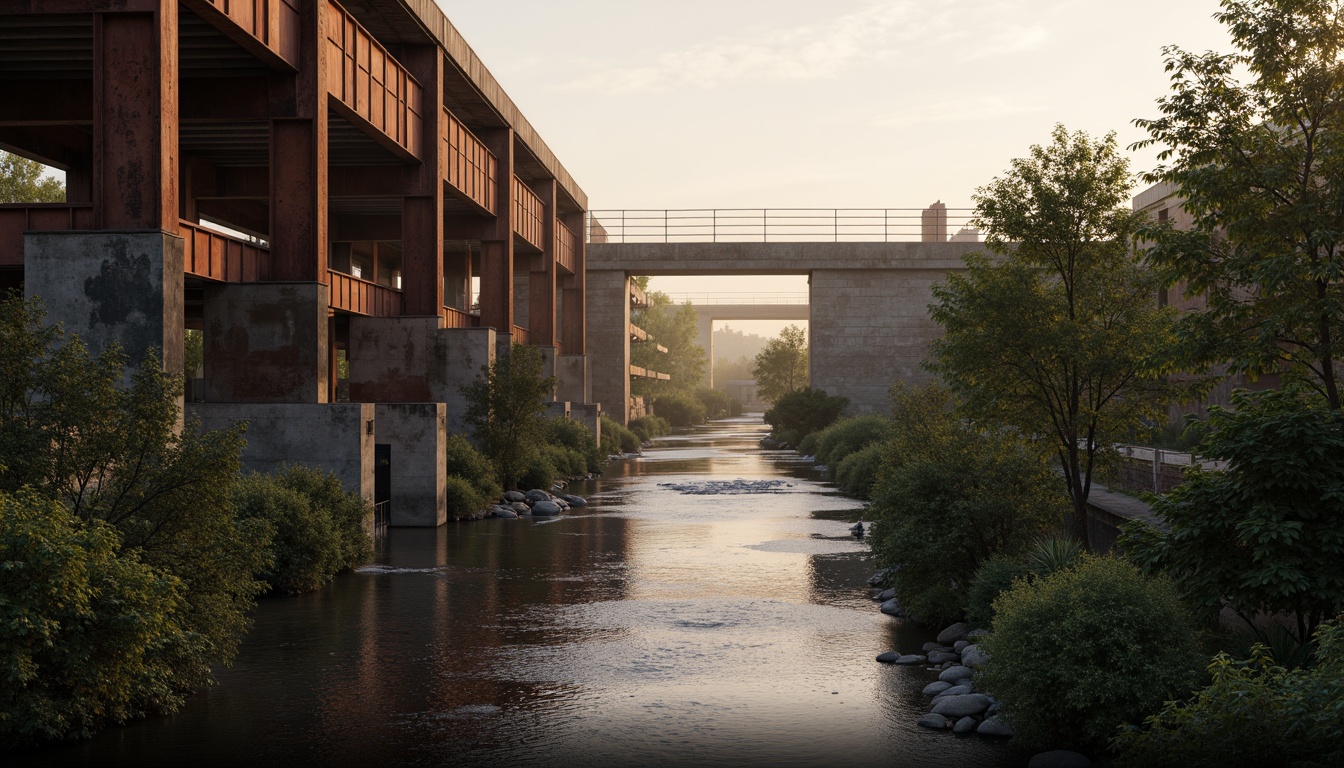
(683, 618)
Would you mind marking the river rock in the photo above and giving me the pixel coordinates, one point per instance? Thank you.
(891, 607)
(520, 507)
(935, 688)
(942, 657)
(545, 508)
(890, 657)
(537, 494)
(507, 514)
(961, 706)
(769, 443)
(956, 690)
(885, 595)
(965, 725)
(932, 647)
(1060, 758)
(994, 726)
(960, 645)
(953, 633)
(515, 496)
(935, 722)
(955, 674)
(876, 579)
(910, 660)
(974, 633)
(574, 501)
(972, 656)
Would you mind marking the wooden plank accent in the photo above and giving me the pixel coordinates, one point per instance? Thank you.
(565, 241)
(362, 297)
(520, 335)
(638, 334)
(644, 373)
(259, 25)
(527, 212)
(372, 87)
(17, 218)
(471, 171)
(216, 256)
(456, 318)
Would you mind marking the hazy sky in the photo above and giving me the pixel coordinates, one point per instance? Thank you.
(805, 103)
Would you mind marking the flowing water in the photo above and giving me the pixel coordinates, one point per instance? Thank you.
(708, 608)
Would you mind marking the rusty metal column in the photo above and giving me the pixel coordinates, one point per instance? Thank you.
(135, 119)
(576, 298)
(541, 288)
(298, 162)
(422, 207)
(497, 244)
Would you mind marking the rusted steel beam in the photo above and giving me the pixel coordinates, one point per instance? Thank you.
(298, 164)
(135, 136)
(541, 282)
(268, 29)
(243, 215)
(15, 219)
(54, 7)
(362, 297)
(471, 171)
(528, 215)
(575, 312)
(369, 87)
(221, 258)
(497, 245)
(422, 207)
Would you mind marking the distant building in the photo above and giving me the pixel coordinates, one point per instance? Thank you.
(966, 235)
(933, 223)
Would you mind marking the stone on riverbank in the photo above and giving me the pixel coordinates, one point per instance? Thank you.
(885, 595)
(956, 690)
(933, 722)
(942, 657)
(545, 508)
(1060, 758)
(964, 725)
(994, 726)
(961, 706)
(574, 501)
(955, 674)
(537, 494)
(910, 660)
(960, 645)
(972, 656)
(506, 514)
(515, 496)
(891, 608)
(890, 657)
(933, 689)
(953, 633)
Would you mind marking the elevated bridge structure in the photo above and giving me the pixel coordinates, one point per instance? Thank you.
(869, 288)
(711, 307)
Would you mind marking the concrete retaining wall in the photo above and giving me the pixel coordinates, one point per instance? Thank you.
(416, 433)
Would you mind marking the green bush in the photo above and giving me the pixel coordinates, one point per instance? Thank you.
(1052, 554)
(649, 427)
(1254, 712)
(847, 436)
(568, 463)
(801, 412)
(617, 439)
(577, 437)
(681, 409)
(857, 473)
(464, 498)
(505, 408)
(465, 462)
(994, 577)
(83, 625)
(318, 529)
(949, 497)
(1076, 654)
(716, 402)
(540, 473)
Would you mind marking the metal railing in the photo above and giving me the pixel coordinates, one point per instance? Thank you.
(702, 298)
(382, 516)
(782, 225)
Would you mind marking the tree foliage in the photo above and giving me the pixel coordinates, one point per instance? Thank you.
(802, 412)
(674, 326)
(781, 367)
(21, 181)
(1259, 164)
(506, 405)
(949, 496)
(1058, 335)
(1264, 535)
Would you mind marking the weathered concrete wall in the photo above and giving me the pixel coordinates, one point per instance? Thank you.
(771, 258)
(590, 415)
(105, 287)
(416, 433)
(608, 341)
(572, 383)
(871, 328)
(266, 342)
(412, 359)
(335, 437)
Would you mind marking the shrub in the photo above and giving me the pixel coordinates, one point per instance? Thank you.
(575, 436)
(716, 402)
(540, 473)
(1256, 711)
(1077, 653)
(949, 497)
(505, 407)
(847, 436)
(465, 462)
(808, 445)
(799, 413)
(568, 463)
(1053, 554)
(318, 529)
(994, 577)
(464, 498)
(857, 474)
(617, 439)
(681, 409)
(82, 625)
(649, 427)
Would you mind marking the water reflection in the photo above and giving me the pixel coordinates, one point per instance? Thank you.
(658, 626)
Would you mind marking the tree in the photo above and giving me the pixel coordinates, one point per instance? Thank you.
(21, 181)
(675, 328)
(781, 367)
(951, 495)
(506, 404)
(1264, 535)
(1059, 336)
(1260, 166)
(802, 412)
